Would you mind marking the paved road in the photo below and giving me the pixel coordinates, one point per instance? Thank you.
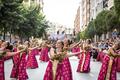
(37, 74)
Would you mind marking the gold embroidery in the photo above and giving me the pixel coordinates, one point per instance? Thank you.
(54, 68)
(83, 61)
(109, 69)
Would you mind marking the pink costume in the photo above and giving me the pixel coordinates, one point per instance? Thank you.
(2, 77)
(19, 67)
(32, 61)
(76, 49)
(101, 56)
(84, 63)
(44, 54)
(63, 71)
(16, 59)
(22, 74)
(36, 51)
(108, 69)
(118, 64)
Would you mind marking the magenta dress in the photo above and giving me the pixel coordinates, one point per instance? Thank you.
(16, 59)
(101, 56)
(76, 49)
(22, 74)
(44, 54)
(104, 71)
(19, 67)
(66, 69)
(63, 71)
(84, 63)
(118, 64)
(2, 76)
(32, 61)
(49, 73)
(15, 69)
(36, 52)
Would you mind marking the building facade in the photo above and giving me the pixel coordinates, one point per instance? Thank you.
(77, 21)
(96, 6)
(85, 13)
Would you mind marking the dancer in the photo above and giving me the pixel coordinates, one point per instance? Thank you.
(15, 59)
(56, 69)
(32, 61)
(4, 54)
(76, 49)
(44, 52)
(108, 69)
(84, 62)
(19, 66)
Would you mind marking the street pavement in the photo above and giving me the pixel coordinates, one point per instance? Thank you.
(37, 74)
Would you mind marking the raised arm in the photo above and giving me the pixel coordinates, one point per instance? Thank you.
(33, 48)
(13, 53)
(73, 54)
(74, 45)
(112, 53)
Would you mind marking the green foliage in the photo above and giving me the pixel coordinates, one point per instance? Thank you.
(83, 35)
(117, 7)
(112, 21)
(78, 37)
(104, 22)
(19, 20)
(100, 22)
(9, 15)
(90, 31)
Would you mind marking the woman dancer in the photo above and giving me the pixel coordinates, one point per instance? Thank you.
(44, 52)
(15, 59)
(32, 61)
(4, 54)
(84, 62)
(108, 69)
(76, 49)
(19, 64)
(56, 69)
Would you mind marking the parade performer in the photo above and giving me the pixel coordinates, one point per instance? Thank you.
(84, 62)
(57, 68)
(32, 61)
(19, 67)
(76, 49)
(108, 69)
(4, 54)
(44, 52)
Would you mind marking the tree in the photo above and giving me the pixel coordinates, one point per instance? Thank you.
(19, 20)
(117, 7)
(83, 35)
(34, 23)
(112, 21)
(9, 15)
(90, 31)
(100, 23)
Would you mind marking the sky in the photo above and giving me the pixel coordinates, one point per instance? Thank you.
(61, 11)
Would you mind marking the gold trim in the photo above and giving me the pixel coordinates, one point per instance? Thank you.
(109, 69)
(83, 61)
(54, 68)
